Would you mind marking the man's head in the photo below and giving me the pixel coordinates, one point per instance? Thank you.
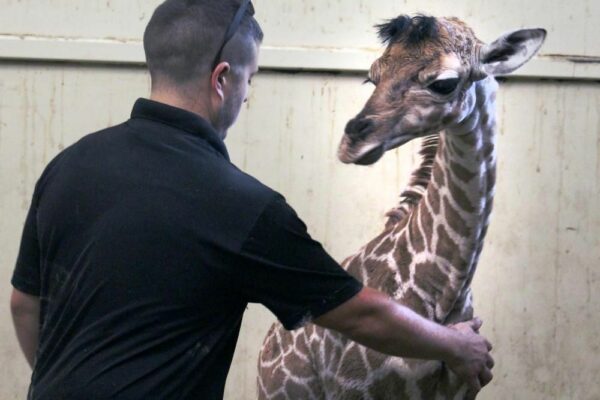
(181, 42)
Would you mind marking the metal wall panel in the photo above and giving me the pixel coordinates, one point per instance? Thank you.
(316, 23)
(310, 34)
(537, 284)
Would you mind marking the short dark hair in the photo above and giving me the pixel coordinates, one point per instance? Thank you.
(183, 37)
(411, 30)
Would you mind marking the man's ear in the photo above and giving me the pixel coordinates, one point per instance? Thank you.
(511, 51)
(218, 77)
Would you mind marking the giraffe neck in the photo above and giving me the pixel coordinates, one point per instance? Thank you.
(447, 228)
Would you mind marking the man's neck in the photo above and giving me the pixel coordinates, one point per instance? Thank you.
(175, 100)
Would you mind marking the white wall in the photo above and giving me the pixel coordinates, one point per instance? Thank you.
(536, 287)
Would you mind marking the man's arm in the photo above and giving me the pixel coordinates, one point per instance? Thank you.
(376, 321)
(25, 311)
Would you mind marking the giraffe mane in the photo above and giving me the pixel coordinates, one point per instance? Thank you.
(411, 30)
(419, 180)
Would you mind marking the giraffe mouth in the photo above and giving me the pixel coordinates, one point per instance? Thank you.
(368, 154)
(398, 141)
(371, 157)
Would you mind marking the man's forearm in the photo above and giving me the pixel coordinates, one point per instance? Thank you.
(393, 329)
(26, 316)
(399, 331)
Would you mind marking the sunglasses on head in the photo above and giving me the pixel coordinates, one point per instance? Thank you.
(233, 27)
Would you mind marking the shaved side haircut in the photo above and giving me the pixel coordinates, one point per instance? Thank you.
(184, 36)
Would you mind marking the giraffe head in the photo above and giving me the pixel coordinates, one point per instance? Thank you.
(424, 81)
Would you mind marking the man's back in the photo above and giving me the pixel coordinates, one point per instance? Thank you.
(135, 224)
(145, 244)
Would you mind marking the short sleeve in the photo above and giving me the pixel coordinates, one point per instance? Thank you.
(26, 276)
(287, 271)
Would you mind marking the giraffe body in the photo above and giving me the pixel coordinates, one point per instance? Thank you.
(426, 256)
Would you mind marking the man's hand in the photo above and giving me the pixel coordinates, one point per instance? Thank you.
(472, 361)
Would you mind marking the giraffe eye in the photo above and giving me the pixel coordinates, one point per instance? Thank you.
(444, 86)
(369, 80)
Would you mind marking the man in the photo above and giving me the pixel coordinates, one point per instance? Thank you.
(144, 244)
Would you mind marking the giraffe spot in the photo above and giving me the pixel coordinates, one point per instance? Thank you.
(355, 268)
(460, 196)
(280, 396)
(352, 366)
(352, 394)
(302, 368)
(427, 224)
(271, 347)
(375, 359)
(448, 383)
(485, 119)
(431, 280)
(461, 172)
(429, 386)
(433, 197)
(488, 150)
(373, 243)
(296, 391)
(273, 378)
(456, 222)
(403, 260)
(309, 329)
(391, 386)
(416, 238)
(438, 176)
(381, 277)
(491, 178)
(412, 300)
(385, 247)
(329, 348)
(454, 149)
(468, 139)
(448, 249)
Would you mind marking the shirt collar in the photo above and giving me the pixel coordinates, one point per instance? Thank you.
(180, 119)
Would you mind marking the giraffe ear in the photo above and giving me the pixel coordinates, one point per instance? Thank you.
(511, 51)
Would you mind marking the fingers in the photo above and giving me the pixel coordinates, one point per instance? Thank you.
(489, 362)
(488, 345)
(474, 388)
(476, 323)
(485, 377)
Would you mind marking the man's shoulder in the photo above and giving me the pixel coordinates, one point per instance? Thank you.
(246, 187)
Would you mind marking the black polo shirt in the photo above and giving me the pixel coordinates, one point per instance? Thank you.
(145, 244)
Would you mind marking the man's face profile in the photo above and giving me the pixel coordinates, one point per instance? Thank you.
(235, 92)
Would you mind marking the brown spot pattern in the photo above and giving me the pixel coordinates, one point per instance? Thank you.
(431, 279)
(433, 196)
(416, 238)
(461, 172)
(427, 223)
(403, 260)
(456, 222)
(385, 247)
(355, 268)
(389, 387)
(448, 249)
(412, 300)
(438, 176)
(352, 364)
(381, 277)
(459, 195)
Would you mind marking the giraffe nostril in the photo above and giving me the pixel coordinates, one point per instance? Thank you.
(359, 127)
